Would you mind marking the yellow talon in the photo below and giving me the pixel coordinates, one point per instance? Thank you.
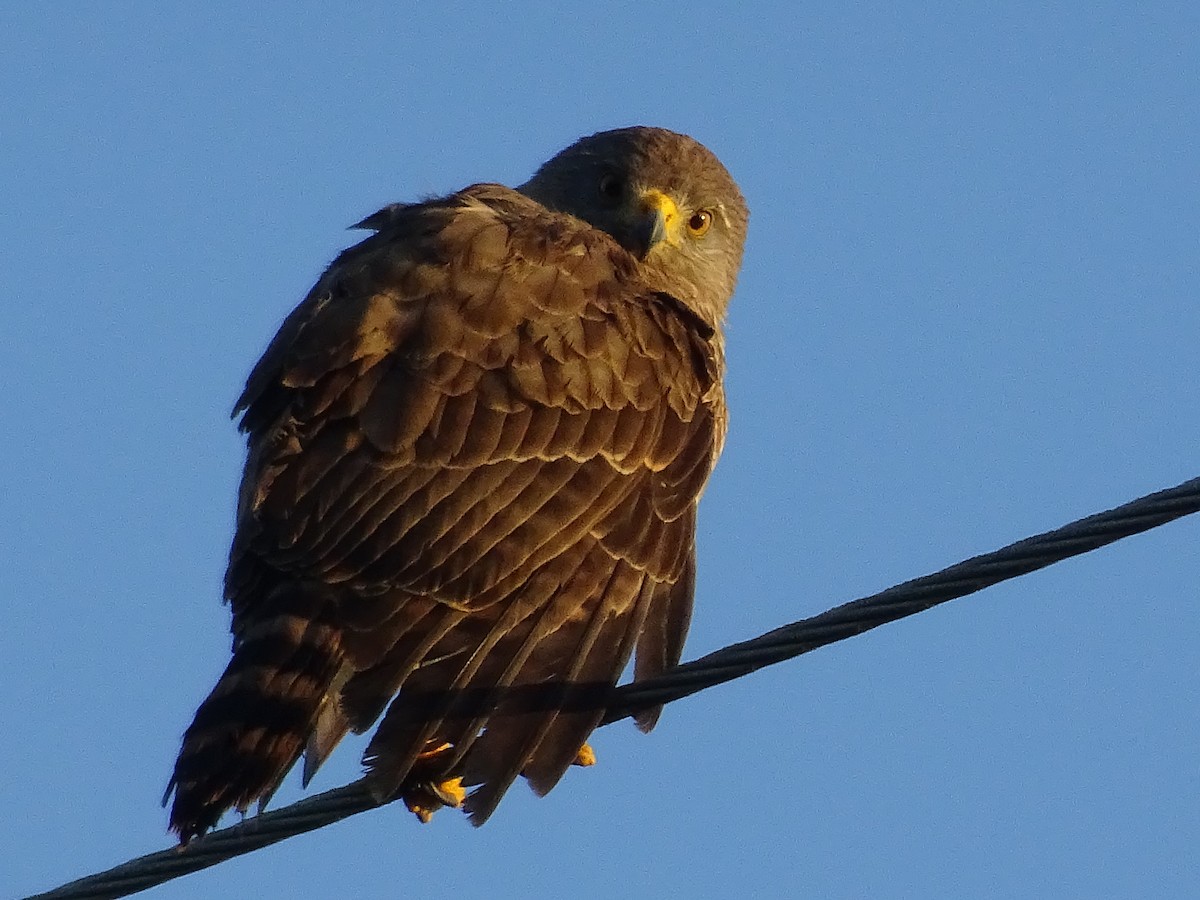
(424, 799)
(423, 813)
(585, 757)
(450, 792)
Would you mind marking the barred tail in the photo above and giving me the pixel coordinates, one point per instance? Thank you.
(250, 730)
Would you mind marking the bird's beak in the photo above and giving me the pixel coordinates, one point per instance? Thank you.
(655, 217)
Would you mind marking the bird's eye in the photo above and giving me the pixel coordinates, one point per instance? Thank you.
(700, 222)
(611, 187)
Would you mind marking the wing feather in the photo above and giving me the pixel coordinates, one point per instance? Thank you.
(491, 436)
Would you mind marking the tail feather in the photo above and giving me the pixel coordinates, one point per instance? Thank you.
(253, 726)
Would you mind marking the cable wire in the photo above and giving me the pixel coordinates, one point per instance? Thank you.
(723, 665)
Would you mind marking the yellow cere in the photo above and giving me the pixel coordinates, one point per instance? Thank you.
(657, 200)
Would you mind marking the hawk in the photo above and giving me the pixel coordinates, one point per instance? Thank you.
(474, 456)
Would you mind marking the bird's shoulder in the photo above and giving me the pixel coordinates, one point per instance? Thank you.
(481, 229)
(484, 289)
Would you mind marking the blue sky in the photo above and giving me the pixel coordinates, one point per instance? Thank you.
(968, 312)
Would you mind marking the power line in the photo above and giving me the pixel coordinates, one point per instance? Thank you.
(732, 662)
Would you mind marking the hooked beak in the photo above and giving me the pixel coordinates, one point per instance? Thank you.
(656, 214)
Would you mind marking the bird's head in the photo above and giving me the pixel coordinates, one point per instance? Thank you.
(662, 196)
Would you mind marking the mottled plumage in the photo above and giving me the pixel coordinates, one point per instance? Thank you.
(475, 453)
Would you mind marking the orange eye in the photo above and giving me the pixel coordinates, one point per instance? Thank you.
(700, 222)
(611, 187)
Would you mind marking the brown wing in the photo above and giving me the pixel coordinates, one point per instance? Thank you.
(489, 437)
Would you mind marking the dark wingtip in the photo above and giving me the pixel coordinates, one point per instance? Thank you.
(480, 805)
(646, 719)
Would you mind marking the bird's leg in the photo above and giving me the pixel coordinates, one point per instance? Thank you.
(428, 792)
(427, 797)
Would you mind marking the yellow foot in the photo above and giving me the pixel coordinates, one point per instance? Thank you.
(423, 813)
(426, 798)
(585, 757)
(450, 792)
